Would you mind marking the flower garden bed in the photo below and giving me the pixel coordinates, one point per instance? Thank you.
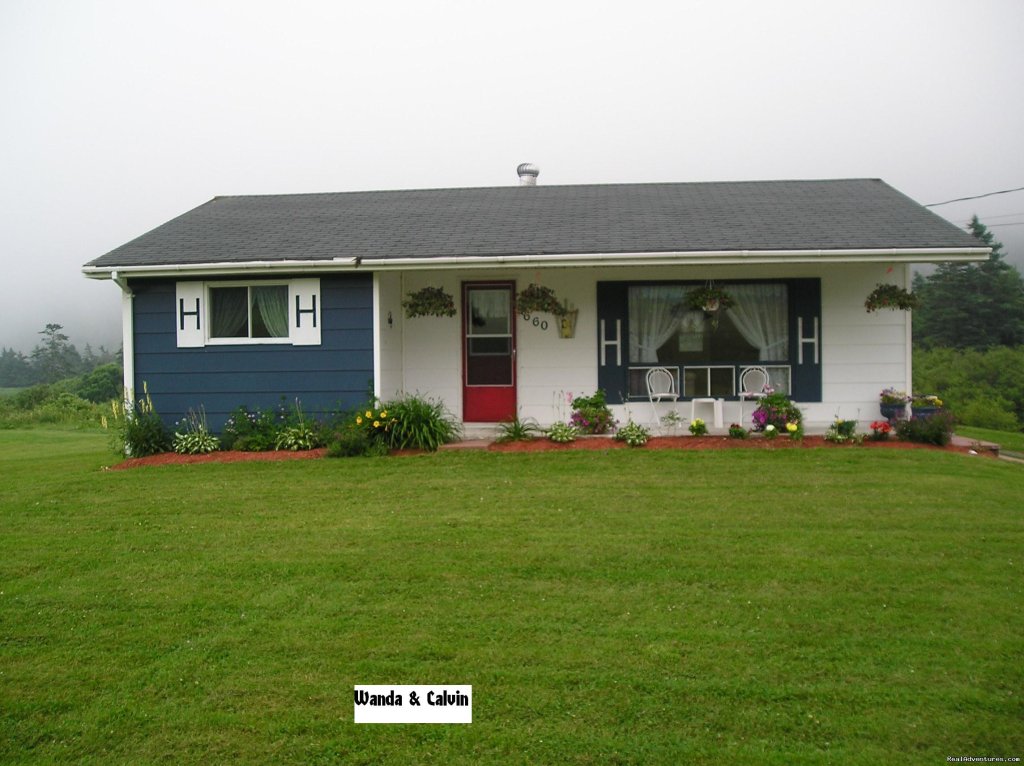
(702, 443)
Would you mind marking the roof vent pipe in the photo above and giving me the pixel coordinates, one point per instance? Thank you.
(528, 174)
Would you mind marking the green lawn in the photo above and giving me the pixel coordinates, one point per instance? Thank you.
(844, 606)
(1009, 441)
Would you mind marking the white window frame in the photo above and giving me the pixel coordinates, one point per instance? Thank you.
(305, 313)
(212, 340)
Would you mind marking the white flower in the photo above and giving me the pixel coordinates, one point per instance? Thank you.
(769, 427)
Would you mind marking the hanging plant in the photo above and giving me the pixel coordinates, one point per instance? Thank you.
(429, 302)
(890, 297)
(709, 299)
(539, 299)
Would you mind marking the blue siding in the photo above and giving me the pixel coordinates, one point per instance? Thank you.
(336, 375)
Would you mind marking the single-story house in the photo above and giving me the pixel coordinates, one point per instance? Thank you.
(255, 300)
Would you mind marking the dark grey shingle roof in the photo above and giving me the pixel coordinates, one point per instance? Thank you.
(495, 221)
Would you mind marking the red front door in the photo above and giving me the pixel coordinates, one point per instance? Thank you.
(488, 352)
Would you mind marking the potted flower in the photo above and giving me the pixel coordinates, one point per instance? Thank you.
(539, 299)
(893, 403)
(921, 406)
(429, 302)
(890, 297)
(709, 299)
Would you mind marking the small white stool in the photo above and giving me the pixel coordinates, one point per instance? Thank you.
(717, 404)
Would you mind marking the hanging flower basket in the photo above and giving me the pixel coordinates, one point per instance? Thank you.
(539, 299)
(429, 302)
(709, 299)
(890, 297)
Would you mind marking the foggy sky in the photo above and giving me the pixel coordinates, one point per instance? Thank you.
(118, 116)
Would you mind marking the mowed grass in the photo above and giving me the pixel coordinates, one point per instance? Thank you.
(1010, 441)
(798, 606)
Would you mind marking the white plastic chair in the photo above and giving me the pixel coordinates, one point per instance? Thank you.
(661, 386)
(753, 382)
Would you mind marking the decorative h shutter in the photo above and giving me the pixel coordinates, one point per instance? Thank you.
(612, 332)
(304, 312)
(190, 314)
(805, 349)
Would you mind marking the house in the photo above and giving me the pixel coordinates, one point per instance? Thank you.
(251, 300)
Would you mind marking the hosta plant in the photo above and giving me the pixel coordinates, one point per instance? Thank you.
(562, 433)
(196, 438)
(634, 434)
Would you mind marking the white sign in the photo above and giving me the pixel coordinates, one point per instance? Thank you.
(413, 704)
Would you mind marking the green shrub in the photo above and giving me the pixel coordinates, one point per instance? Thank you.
(841, 431)
(736, 431)
(67, 408)
(355, 442)
(46, 404)
(101, 385)
(932, 429)
(419, 423)
(30, 398)
(591, 414)
(995, 413)
(138, 429)
(251, 430)
(698, 427)
(977, 386)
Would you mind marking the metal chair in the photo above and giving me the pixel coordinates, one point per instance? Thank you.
(753, 384)
(661, 386)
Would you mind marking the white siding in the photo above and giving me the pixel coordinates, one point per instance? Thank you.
(861, 353)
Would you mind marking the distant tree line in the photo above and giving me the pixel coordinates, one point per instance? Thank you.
(54, 358)
(969, 337)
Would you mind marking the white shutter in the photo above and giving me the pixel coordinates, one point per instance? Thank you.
(190, 314)
(304, 312)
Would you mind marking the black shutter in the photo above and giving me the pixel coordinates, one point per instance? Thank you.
(805, 348)
(612, 345)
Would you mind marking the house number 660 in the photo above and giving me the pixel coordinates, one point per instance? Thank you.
(536, 321)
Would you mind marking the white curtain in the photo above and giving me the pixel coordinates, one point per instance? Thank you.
(489, 304)
(230, 312)
(760, 314)
(653, 319)
(272, 303)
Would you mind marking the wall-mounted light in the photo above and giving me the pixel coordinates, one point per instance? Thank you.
(391, 321)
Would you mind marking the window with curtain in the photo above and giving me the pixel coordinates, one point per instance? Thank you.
(663, 330)
(249, 312)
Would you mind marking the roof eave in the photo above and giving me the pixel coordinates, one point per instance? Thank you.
(672, 258)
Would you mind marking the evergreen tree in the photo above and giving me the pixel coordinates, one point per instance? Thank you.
(55, 358)
(971, 306)
(15, 369)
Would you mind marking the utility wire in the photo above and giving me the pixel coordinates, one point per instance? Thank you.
(977, 196)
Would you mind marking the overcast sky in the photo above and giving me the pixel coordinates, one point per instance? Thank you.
(118, 116)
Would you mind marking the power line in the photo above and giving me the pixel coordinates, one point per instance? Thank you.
(994, 217)
(976, 196)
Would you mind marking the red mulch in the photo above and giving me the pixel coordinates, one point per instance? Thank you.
(544, 445)
(173, 458)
